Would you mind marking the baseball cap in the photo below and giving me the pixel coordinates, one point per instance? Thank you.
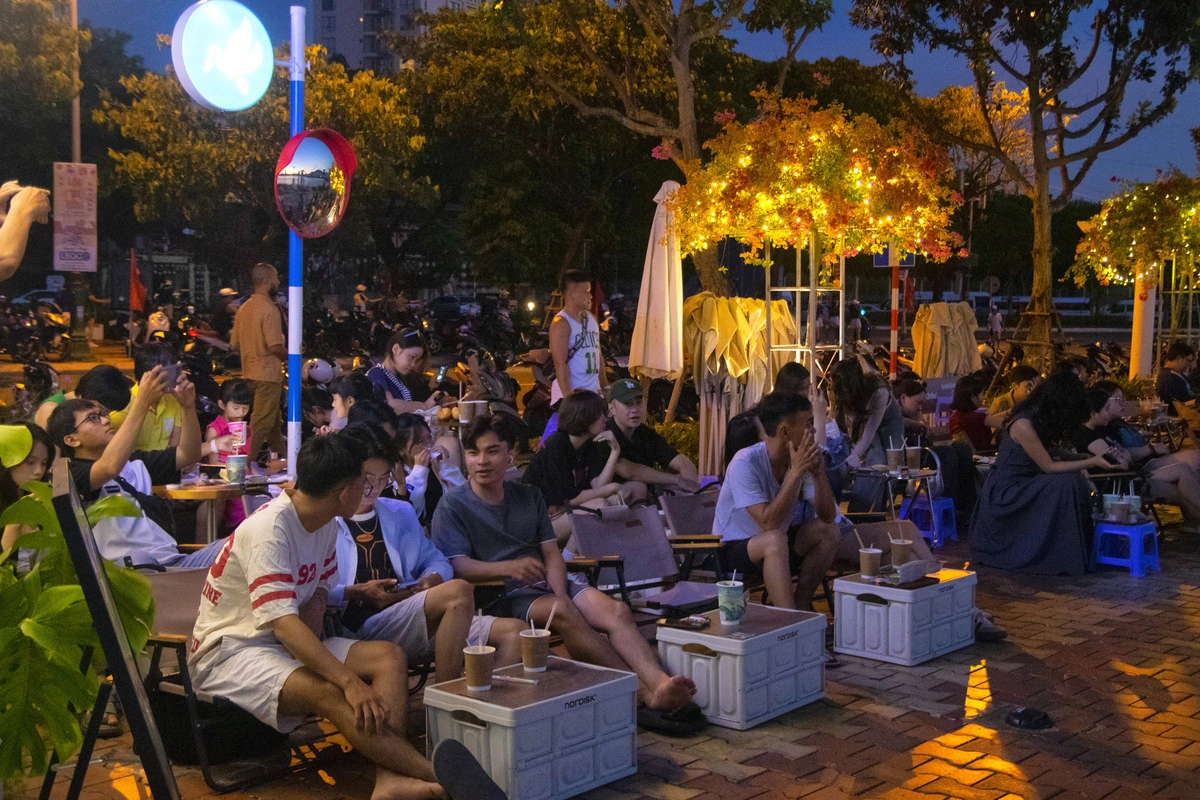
(362, 287)
(625, 391)
(227, 292)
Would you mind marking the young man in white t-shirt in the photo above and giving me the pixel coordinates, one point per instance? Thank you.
(776, 510)
(256, 641)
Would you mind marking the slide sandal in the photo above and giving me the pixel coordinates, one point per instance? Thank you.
(461, 775)
(687, 720)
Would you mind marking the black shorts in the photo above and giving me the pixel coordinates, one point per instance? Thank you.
(735, 555)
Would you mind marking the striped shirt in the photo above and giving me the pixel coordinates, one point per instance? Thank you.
(268, 569)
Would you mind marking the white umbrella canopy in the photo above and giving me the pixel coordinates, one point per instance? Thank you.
(657, 347)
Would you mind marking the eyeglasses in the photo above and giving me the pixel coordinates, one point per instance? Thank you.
(94, 418)
(375, 483)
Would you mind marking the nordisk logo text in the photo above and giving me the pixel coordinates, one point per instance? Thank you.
(582, 701)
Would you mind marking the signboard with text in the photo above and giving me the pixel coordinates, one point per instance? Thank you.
(885, 260)
(74, 217)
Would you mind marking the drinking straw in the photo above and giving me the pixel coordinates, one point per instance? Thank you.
(532, 629)
(550, 618)
(734, 578)
(860, 541)
(478, 614)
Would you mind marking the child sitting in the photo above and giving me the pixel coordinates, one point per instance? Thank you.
(227, 436)
(968, 415)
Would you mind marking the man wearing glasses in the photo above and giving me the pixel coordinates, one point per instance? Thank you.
(394, 585)
(103, 463)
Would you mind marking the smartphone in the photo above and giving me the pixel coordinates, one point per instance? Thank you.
(398, 586)
(694, 623)
(441, 373)
(172, 373)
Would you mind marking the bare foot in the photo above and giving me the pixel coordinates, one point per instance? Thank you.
(674, 692)
(390, 786)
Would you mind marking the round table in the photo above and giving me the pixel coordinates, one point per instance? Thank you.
(212, 495)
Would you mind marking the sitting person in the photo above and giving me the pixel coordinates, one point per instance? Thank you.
(493, 529)
(967, 414)
(316, 405)
(1035, 512)
(103, 383)
(743, 430)
(1023, 379)
(104, 462)
(426, 469)
(256, 640)
(347, 390)
(375, 413)
(1173, 477)
(25, 452)
(649, 458)
(237, 396)
(578, 465)
(776, 510)
(396, 586)
(161, 427)
(910, 394)
(867, 414)
(1172, 384)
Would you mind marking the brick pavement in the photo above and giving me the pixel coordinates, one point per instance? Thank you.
(1114, 660)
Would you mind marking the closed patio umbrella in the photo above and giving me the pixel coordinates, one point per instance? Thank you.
(657, 347)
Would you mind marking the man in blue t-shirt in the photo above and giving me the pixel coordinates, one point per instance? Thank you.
(1172, 384)
(776, 510)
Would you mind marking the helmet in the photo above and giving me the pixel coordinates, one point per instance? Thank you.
(41, 379)
(985, 351)
(159, 322)
(318, 370)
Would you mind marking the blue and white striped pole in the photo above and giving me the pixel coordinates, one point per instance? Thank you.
(295, 250)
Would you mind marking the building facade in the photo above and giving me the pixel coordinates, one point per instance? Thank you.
(353, 28)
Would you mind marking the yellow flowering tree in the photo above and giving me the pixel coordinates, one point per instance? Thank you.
(797, 170)
(1136, 231)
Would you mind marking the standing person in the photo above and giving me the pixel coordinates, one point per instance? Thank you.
(867, 414)
(995, 326)
(222, 320)
(575, 341)
(20, 207)
(256, 639)
(258, 335)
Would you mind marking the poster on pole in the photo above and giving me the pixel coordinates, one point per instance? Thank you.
(74, 217)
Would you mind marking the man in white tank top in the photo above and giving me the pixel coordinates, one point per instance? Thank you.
(575, 340)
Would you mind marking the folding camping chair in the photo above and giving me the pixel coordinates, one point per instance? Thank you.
(636, 535)
(231, 747)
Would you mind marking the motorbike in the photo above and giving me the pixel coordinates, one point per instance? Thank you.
(31, 334)
(198, 363)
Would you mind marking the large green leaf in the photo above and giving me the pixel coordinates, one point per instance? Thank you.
(112, 506)
(31, 511)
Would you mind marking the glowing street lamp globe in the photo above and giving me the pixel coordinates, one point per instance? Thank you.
(222, 55)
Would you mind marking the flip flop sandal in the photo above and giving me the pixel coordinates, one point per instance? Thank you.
(687, 720)
(461, 775)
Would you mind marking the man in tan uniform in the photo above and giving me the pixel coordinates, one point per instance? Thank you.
(258, 334)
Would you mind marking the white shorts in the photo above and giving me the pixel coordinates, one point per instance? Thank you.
(252, 676)
(404, 624)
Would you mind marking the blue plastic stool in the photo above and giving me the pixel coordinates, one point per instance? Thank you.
(1141, 542)
(937, 525)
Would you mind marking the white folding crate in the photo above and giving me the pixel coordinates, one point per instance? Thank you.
(575, 730)
(904, 626)
(745, 674)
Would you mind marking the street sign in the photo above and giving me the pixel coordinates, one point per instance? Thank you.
(883, 260)
(222, 55)
(74, 217)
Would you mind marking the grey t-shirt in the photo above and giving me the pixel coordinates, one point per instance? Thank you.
(749, 481)
(464, 525)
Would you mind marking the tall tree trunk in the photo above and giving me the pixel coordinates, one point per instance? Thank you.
(707, 266)
(1040, 297)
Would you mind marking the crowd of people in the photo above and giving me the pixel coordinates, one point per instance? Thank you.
(393, 525)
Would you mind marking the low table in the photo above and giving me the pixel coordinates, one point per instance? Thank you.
(746, 674)
(212, 495)
(574, 730)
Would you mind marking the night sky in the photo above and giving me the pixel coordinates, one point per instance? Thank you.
(1166, 144)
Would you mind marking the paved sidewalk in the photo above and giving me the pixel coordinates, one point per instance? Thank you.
(1113, 659)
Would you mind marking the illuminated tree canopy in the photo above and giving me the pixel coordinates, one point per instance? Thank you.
(796, 170)
(1137, 231)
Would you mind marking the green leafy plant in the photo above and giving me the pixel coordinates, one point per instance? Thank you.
(46, 687)
(683, 435)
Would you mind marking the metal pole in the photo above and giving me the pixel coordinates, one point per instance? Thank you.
(894, 257)
(77, 344)
(295, 249)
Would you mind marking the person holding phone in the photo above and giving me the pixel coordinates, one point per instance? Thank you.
(162, 426)
(394, 585)
(401, 374)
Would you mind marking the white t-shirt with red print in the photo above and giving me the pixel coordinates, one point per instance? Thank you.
(267, 569)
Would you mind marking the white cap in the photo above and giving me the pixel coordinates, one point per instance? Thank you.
(227, 292)
(362, 287)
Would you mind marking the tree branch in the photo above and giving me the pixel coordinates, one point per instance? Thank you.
(721, 24)
(1085, 66)
(644, 122)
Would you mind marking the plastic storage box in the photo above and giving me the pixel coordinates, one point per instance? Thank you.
(575, 730)
(745, 674)
(904, 626)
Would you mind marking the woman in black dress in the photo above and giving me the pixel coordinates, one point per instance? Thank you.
(1035, 512)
